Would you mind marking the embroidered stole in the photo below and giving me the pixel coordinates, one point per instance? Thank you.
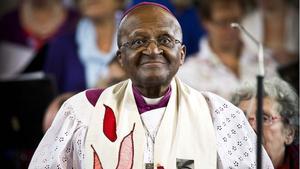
(186, 131)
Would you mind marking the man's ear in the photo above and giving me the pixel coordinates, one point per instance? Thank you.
(118, 54)
(289, 133)
(182, 54)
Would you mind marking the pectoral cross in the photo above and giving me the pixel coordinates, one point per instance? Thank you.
(149, 165)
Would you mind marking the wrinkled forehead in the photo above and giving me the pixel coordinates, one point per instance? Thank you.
(153, 23)
(150, 20)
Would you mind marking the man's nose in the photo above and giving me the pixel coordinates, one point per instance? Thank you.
(152, 49)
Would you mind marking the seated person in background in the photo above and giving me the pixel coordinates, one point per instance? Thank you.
(116, 74)
(28, 28)
(152, 120)
(280, 123)
(223, 59)
(77, 60)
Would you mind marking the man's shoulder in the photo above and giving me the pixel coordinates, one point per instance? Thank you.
(87, 97)
(92, 95)
(82, 104)
(85, 102)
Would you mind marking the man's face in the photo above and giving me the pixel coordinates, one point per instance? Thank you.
(150, 50)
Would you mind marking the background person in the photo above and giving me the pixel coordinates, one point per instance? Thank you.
(223, 58)
(25, 30)
(79, 59)
(280, 120)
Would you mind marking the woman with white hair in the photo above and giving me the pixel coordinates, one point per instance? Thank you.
(280, 120)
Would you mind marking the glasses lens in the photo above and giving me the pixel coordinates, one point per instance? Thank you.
(164, 41)
(137, 43)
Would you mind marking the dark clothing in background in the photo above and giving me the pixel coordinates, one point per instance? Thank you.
(62, 61)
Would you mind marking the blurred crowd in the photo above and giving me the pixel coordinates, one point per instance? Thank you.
(74, 43)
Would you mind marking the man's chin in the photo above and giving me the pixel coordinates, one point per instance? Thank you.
(154, 81)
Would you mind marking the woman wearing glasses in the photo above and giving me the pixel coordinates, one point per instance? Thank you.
(280, 120)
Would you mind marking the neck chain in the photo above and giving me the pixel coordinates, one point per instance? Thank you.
(148, 134)
(150, 138)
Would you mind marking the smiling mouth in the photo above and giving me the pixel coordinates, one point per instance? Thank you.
(153, 63)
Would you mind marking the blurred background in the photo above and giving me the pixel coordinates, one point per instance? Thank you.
(52, 49)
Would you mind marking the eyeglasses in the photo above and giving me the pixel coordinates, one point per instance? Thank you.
(164, 41)
(267, 120)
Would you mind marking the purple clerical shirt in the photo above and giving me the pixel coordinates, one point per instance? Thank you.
(143, 106)
(94, 94)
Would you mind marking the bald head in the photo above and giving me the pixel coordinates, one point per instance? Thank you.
(145, 15)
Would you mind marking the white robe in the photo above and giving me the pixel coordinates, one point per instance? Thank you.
(196, 126)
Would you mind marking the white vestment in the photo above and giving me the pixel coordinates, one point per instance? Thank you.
(200, 128)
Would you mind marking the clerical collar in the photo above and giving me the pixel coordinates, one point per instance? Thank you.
(143, 106)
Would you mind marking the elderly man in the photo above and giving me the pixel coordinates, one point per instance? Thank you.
(151, 120)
